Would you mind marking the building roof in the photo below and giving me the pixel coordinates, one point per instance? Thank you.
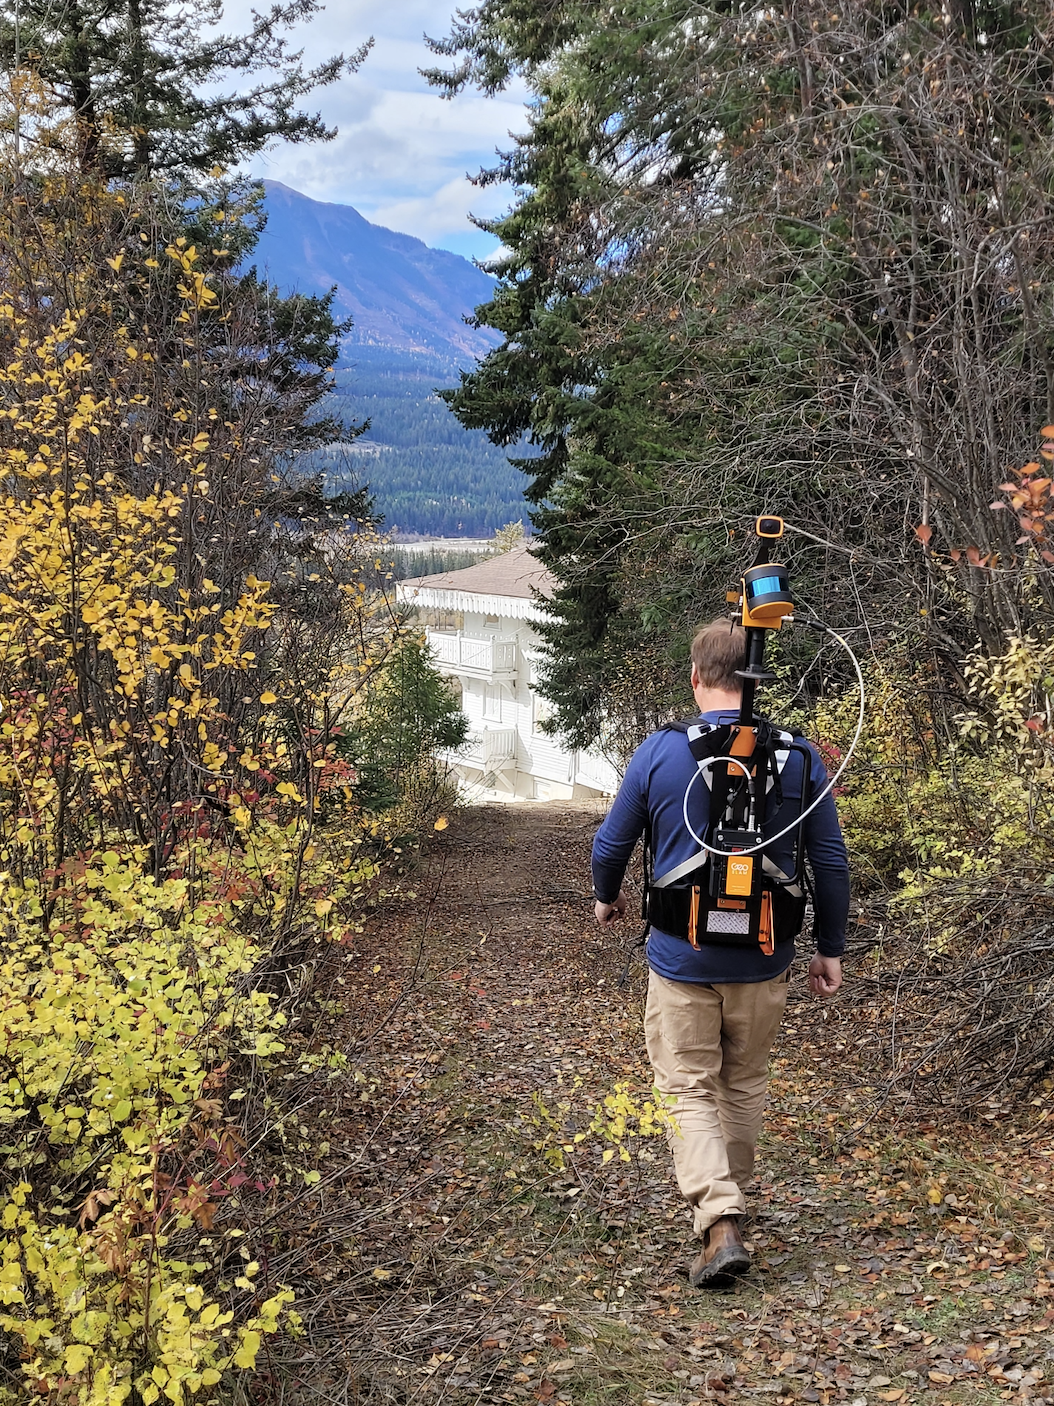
(513, 573)
(505, 585)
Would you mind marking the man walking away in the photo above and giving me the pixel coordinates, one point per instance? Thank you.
(713, 1009)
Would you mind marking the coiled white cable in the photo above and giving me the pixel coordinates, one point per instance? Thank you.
(832, 783)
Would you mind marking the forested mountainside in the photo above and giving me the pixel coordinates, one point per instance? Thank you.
(408, 304)
(427, 474)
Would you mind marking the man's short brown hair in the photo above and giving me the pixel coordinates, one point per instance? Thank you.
(718, 650)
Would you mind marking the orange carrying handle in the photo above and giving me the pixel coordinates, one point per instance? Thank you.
(766, 936)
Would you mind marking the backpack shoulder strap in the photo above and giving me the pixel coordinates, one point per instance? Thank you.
(699, 735)
(706, 741)
(681, 871)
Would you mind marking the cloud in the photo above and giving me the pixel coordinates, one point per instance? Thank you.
(444, 216)
(403, 153)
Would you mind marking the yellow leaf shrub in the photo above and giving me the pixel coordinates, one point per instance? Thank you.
(110, 1038)
(623, 1116)
(169, 730)
(620, 1119)
(942, 815)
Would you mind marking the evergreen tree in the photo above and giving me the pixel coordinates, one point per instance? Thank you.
(151, 71)
(408, 713)
(796, 260)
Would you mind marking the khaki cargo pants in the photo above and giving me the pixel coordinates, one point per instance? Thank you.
(709, 1048)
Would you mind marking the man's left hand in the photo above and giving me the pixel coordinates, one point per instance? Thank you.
(825, 975)
(608, 914)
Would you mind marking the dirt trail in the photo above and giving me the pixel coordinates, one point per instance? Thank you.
(448, 1255)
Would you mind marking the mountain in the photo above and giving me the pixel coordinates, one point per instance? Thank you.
(402, 295)
(409, 337)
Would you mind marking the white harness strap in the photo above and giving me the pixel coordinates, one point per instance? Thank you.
(682, 870)
(687, 866)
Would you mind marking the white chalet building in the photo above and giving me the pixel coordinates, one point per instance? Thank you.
(480, 626)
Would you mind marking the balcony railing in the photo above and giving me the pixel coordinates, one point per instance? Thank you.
(474, 655)
(594, 770)
(493, 749)
(499, 748)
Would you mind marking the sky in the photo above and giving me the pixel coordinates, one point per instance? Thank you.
(403, 154)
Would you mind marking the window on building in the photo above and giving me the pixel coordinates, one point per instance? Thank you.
(543, 711)
(492, 704)
(448, 621)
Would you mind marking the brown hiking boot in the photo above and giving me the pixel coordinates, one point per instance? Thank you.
(723, 1256)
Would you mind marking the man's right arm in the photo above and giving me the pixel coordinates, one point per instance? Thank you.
(615, 841)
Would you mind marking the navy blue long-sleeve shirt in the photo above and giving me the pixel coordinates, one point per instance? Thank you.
(652, 792)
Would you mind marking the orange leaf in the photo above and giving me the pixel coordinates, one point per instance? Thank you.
(924, 532)
(955, 554)
(1047, 431)
(196, 1204)
(93, 1204)
(205, 1214)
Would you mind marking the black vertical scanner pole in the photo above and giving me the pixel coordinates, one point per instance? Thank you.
(754, 671)
(750, 675)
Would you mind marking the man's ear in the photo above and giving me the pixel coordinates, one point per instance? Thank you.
(695, 677)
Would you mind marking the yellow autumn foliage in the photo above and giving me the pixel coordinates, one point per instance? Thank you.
(112, 1039)
(168, 744)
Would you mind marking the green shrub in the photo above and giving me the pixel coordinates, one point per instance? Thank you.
(408, 713)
